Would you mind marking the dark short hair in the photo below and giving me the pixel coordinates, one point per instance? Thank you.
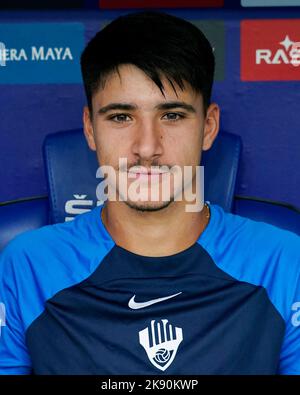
(161, 45)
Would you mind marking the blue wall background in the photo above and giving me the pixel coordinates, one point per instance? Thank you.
(265, 114)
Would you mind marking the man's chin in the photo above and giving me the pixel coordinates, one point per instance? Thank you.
(148, 206)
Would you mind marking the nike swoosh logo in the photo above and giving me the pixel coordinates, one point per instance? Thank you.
(136, 305)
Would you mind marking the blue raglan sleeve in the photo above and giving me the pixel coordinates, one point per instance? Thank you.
(290, 352)
(14, 357)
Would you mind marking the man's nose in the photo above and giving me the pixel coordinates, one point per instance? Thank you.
(148, 140)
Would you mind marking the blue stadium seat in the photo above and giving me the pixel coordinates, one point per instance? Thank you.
(279, 214)
(19, 216)
(71, 172)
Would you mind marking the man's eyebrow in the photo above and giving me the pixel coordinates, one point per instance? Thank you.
(176, 104)
(117, 106)
(161, 106)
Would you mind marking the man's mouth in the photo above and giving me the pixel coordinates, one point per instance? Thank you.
(146, 174)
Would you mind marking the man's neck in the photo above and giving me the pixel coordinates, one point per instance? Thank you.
(156, 233)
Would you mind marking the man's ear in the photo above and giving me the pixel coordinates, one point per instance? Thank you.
(88, 128)
(211, 126)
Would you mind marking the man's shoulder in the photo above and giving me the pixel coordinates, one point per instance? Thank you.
(36, 240)
(262, 236)
(39, 263)
(252, 251)
(56, 244)
(268, 244)
(256, 253)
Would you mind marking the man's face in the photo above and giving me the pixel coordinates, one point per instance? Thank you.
(132, 119)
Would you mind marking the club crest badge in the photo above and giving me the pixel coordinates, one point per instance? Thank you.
(161, 341)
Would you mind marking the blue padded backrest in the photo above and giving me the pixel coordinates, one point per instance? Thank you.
(71, 173)
(278, 214)
(20, 216)
(221, 164)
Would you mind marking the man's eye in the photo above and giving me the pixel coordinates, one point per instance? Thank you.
(173, 116)
(119, 118)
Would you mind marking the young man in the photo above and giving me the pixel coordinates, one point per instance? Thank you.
(144, 286)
